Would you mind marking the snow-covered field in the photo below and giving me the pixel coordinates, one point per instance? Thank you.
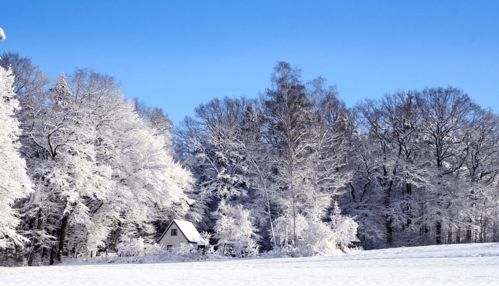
(468, 264)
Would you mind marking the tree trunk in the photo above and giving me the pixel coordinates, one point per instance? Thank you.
(35, 241)
(438, 232)
(495, 232)
(468, 237)
(458, 235)
(52, 256)
(269, 213)
(292, 189)
(294, 222)
(389, 230)
(31, 257)
(388, 218)
(449, 235)
(62, 237)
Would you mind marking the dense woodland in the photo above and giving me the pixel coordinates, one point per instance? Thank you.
(292, 170)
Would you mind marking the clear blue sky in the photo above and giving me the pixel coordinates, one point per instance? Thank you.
(178, 54)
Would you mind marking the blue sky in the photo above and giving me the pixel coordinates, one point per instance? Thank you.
(178, 54)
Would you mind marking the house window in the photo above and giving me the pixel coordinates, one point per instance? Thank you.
(174, 232)
(169, 247)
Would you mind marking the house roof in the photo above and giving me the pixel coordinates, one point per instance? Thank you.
(188, 230)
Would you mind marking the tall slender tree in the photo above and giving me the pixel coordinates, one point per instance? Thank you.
(289, 116)
(14, 182)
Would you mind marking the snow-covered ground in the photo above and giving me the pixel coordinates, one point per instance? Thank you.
(468, 264)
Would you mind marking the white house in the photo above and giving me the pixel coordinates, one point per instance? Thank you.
(181, 232)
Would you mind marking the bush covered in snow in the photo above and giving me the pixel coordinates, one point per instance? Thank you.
(318, 239)
(138, 251)
(314, 236)
(235, 232)
(344, 228)
(137, 247)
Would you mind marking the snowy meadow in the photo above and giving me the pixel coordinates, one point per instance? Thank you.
(466, 264)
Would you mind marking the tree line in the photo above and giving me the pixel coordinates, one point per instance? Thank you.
(411, 168)
(293, 170)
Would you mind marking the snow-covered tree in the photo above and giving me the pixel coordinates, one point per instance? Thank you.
(211, 145)
(158, 120)
(289, 117)
(481, 170)
(101, 172)
(391, 156)
(281, 157)
(261, 198)
(287, 228)
(14, 182)
(445, 114)
(344, 228)
(332, 137)
(319, 237)
(235, 229)
(64, 169)
(146, 178)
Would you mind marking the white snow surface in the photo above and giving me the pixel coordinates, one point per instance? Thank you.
(467, 264)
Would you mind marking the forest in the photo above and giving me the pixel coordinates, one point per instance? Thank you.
(87, 170)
